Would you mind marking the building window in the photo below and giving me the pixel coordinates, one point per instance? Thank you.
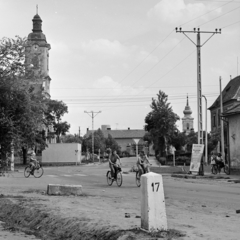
(187, 126)
(214, 120)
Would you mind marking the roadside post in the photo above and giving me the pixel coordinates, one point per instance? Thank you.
(136, 141)
(153, 210)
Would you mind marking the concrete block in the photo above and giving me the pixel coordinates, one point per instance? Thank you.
(57, 189)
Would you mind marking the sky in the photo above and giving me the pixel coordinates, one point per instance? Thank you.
(114, 56)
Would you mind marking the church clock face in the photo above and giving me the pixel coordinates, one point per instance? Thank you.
(35, 47)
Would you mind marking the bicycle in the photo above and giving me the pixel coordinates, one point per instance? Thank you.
(139, 174)
(118, 177)
(37, 171)
(217, 169)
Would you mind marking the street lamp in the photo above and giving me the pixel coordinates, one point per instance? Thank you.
(206, 140)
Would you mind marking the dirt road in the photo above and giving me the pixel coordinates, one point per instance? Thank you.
(198, 209)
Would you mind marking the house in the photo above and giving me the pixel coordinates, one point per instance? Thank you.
(125, 138)
(230, 98)
(231, 115)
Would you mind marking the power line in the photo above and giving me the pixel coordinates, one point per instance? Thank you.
(219, 16)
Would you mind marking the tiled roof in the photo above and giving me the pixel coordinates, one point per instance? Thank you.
(232, 111)
(123, 134)
(230, 92)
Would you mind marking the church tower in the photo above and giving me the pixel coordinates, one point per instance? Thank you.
(37, 56)
(187, 120)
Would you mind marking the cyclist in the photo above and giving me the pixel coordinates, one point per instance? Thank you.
(213, 160)
(143, 163)
(33, 161)
(113, 158)
(219, 161)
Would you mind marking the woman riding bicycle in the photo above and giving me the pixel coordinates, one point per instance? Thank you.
(112, 158)
(143, 163)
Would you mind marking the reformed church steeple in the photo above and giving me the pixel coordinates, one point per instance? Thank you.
(187, 120)
(37, 55)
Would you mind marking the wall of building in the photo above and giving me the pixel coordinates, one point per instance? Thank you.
(234, 140)
(123, 143)
(62, 153)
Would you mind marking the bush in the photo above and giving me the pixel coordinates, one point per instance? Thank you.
(181, 160)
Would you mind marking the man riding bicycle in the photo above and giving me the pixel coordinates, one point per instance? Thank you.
(143, 163)
(113, 158)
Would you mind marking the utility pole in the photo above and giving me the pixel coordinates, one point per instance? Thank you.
(221, 121)
(199, 84)
(92, 114)
(206, 140)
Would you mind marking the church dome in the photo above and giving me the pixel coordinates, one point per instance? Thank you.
(187, 110)
(36, 34)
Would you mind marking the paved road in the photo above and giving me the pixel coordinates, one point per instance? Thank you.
(192, 204)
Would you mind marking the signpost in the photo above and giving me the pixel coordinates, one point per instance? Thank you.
(136, 141)
(196, 159)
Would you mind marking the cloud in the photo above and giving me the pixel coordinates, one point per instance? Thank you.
(177, 11)
(113, 88)
(105, 46)
(108, 50)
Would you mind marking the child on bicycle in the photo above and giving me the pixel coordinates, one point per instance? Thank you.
(113, 158)
(143, 163)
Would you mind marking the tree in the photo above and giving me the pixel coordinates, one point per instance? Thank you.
(161, 123)
(53, 115)
(112, 143)
(21, 109)
(70, 138)
(99, 142)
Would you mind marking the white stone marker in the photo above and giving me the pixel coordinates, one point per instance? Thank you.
(153, 211)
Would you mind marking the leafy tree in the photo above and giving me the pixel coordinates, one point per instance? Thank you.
(53, 116)
(179, 140)
(21, 109)
(110, 142)
(99, 142)
(161, 123)
(69, 138)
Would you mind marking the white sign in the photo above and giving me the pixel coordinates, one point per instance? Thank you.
(153, 211)
(197, 152)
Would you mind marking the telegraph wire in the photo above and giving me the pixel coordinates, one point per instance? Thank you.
(219, 16)
(205, 13)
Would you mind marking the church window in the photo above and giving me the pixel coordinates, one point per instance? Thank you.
(187, 126)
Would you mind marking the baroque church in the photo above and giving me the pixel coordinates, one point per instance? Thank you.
(187, 120)
(37, 58)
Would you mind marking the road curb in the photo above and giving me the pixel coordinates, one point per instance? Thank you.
(189, 176)
(57, 189)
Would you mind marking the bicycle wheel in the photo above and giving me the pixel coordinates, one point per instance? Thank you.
(109, 178)
(38, 172)
(119, 179)
(138, 178)
(226, 169)
(27, 172)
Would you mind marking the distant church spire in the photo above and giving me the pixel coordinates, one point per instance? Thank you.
(187, 120)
